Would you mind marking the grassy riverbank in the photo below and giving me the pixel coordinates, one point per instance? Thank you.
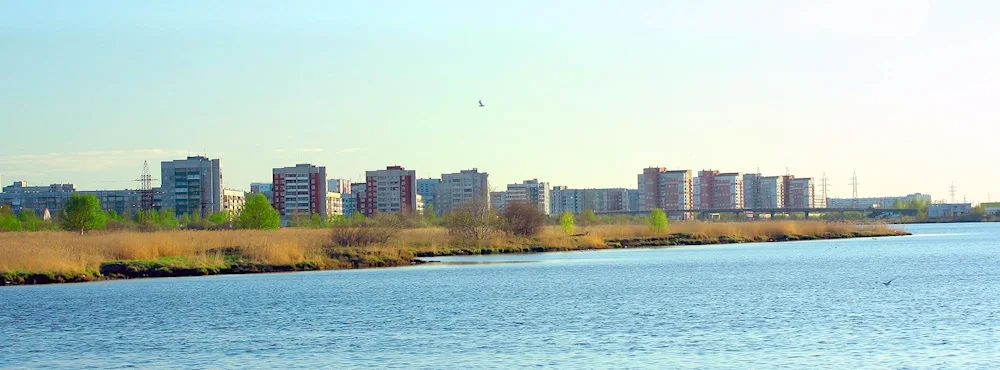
(55, 257)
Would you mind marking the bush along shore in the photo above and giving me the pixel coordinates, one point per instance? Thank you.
(66, 257)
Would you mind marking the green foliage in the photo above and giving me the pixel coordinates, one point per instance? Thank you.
(589, 218)
(185, 220)
(168, 220)
(83, 213)
(30, 221)
(979, 210)
(220, 218)
(658, 221)
(196, 218)
(258, 214)
(430, 215)
(8, 222)
(357, 217)
(567, 223)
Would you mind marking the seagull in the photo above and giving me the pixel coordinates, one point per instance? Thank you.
(481, 104)
(888, 282)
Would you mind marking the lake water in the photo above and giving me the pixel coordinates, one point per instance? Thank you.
(818, 304)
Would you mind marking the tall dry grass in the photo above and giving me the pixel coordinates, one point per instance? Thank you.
(64, 252)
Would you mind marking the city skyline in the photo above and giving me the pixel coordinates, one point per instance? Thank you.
(581, 96)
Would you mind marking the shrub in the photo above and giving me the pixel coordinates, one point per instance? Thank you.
(471, 223)
(567, 223)
(522, 219)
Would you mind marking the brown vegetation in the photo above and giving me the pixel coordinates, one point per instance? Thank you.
(240, 251)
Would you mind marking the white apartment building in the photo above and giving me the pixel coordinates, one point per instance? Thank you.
(464, 186)
(300, 190)
(530, 191)
(392, 190)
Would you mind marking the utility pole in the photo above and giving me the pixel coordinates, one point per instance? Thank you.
(824, 188)
(951, 191)
(854, 188)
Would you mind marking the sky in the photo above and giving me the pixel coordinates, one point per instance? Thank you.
(578, 93)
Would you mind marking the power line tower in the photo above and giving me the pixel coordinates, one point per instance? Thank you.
(951, 191)
(146, 187)
(854, 188)
(824, 187)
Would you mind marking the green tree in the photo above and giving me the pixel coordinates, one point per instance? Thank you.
(430, 215)
(658, 221)
(258, 214)
(9, 222)
(567, 222)
(30, 221)
(898, 204)
(168, 220)
(185, 220)
(220, 218)
(83, 213)
(357, 218)
(979, 210)
(588, 218)
(196, 218)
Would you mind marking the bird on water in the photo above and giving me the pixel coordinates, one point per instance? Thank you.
(888, 282)
(481, 104)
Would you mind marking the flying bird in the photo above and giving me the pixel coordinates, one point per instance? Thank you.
(481, 104)
(888, 282)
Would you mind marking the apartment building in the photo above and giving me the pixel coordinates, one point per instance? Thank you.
(233, 201)
(392, 190)
(342, 186)
(299, 190)
(577, 201)
(428, 189)
(335, 202)
(799, 193)
(763, 191)
(715, 190)
(457, 188)
(498, 199)
(665, 189)
(192, 185)
(530, 191)
(265, 188)
(19, 196)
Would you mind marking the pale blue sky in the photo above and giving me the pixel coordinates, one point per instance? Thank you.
(581, 93)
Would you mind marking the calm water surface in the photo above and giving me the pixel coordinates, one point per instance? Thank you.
(787, 305)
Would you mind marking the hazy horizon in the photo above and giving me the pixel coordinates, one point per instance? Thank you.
(584, 94)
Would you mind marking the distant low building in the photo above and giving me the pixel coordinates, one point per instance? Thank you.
(991, 208)
(264, 188)
(498, 199)
(20, 196)
(580, 200)
(949, 210)
(876, 202)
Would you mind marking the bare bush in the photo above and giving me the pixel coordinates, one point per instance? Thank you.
(522, 219)
(471, 222)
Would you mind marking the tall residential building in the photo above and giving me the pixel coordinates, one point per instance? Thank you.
(498, 199)
(530, 191)
(714, 190)
(461, 187)
(20, 196)
(233, 201)
(633, 200)
(354, 201)
(342, 186)
(192, 185)
(580, 200)
(763, 191)
(799, 193)
(392, 190)
(665, 189)
(429, 189)
(264, 188)
(335, 202)
(300, 190)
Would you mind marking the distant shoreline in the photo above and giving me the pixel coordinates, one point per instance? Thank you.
(230, 264)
